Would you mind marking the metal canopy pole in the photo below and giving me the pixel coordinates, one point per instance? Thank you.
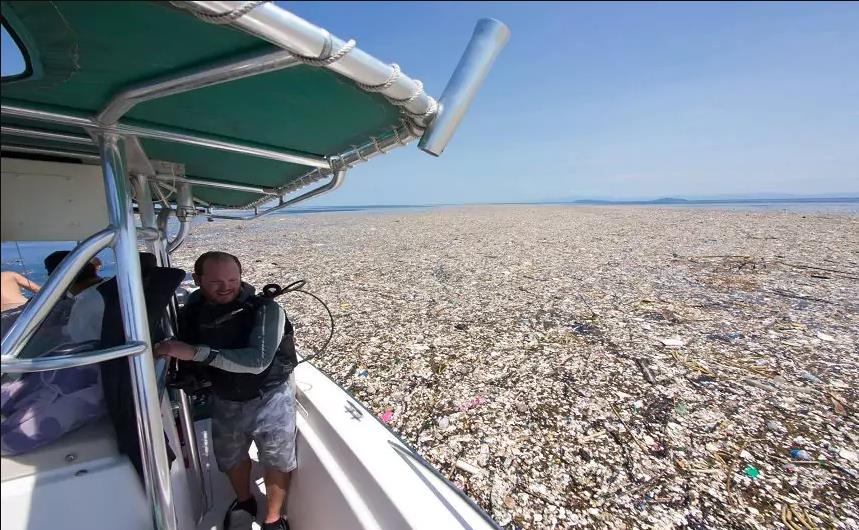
(280, 27)
(281, 155)
(145, 208)
(186, 420)
(46, 135)
(160, 248)
(335, 182)
(201, 78)
(29, 150)
(399, 136)
(215, 184)
(61, 362)
(153, 451)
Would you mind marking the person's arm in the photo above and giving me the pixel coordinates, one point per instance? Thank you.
(26, 283)
(254, 358)
(262, 345)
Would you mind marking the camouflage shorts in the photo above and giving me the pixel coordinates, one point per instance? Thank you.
(268, 421)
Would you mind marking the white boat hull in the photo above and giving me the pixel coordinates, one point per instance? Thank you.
(353, 473)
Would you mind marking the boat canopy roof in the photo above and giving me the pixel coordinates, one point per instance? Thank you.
(82, 56)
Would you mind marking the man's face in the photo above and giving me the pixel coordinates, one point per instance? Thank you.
(221, 281)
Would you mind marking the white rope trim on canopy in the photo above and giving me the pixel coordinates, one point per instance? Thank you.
(415, 126)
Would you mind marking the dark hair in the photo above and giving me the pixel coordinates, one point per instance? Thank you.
(55, 258)
(214, 255)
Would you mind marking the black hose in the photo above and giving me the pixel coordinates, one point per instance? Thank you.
(274, 290)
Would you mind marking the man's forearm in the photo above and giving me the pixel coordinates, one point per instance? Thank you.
(262, 345)
(241, 360)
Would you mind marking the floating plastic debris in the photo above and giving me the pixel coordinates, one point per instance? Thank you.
(811, 378)
(472, 403)
(550, 387)
(800, 454)
(848, 455)
(752, 472)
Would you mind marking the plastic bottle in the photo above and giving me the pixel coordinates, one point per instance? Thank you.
(800, 454)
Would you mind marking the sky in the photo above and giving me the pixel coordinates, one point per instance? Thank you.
(619, 100)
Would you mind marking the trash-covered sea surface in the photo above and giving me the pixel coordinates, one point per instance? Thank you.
(573, 367)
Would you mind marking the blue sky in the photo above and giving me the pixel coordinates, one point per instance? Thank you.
(623, 100)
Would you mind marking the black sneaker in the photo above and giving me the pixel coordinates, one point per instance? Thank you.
(240, 516)
(282, 524)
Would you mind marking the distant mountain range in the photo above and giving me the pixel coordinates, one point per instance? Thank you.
(724, 198)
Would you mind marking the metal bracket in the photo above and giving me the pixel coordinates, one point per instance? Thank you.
(163, 168)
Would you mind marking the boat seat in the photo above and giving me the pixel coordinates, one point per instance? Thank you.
(159, 284)
(91, 442)
(78, 482)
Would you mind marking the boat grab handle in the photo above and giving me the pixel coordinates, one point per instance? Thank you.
(17, 365)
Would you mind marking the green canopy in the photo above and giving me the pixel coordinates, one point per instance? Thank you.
(81, 54)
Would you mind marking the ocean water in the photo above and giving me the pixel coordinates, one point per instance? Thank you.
(27, 258)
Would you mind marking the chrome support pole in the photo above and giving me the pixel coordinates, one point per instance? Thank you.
(45, 116)
(399, 136)
(22, 132)
(136, 160)
(171, 318)
(286, 30)
(176, 242)
(58, 283)
(213, 184)
(185, 212)
(155, 245)
(489, 38)
(61, 362)
(207, 76)
(148, 234)
(281, 155)
(335, 182)
(144, 386)
(28, 150)
(145, 207)
(186, 420)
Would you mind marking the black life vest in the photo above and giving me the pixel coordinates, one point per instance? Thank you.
(228, 326)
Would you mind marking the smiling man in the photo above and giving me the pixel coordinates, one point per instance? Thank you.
(247, 343)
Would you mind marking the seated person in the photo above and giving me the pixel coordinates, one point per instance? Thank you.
(52, 332)
(38, 408)
(86, 278)
(84, 322)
